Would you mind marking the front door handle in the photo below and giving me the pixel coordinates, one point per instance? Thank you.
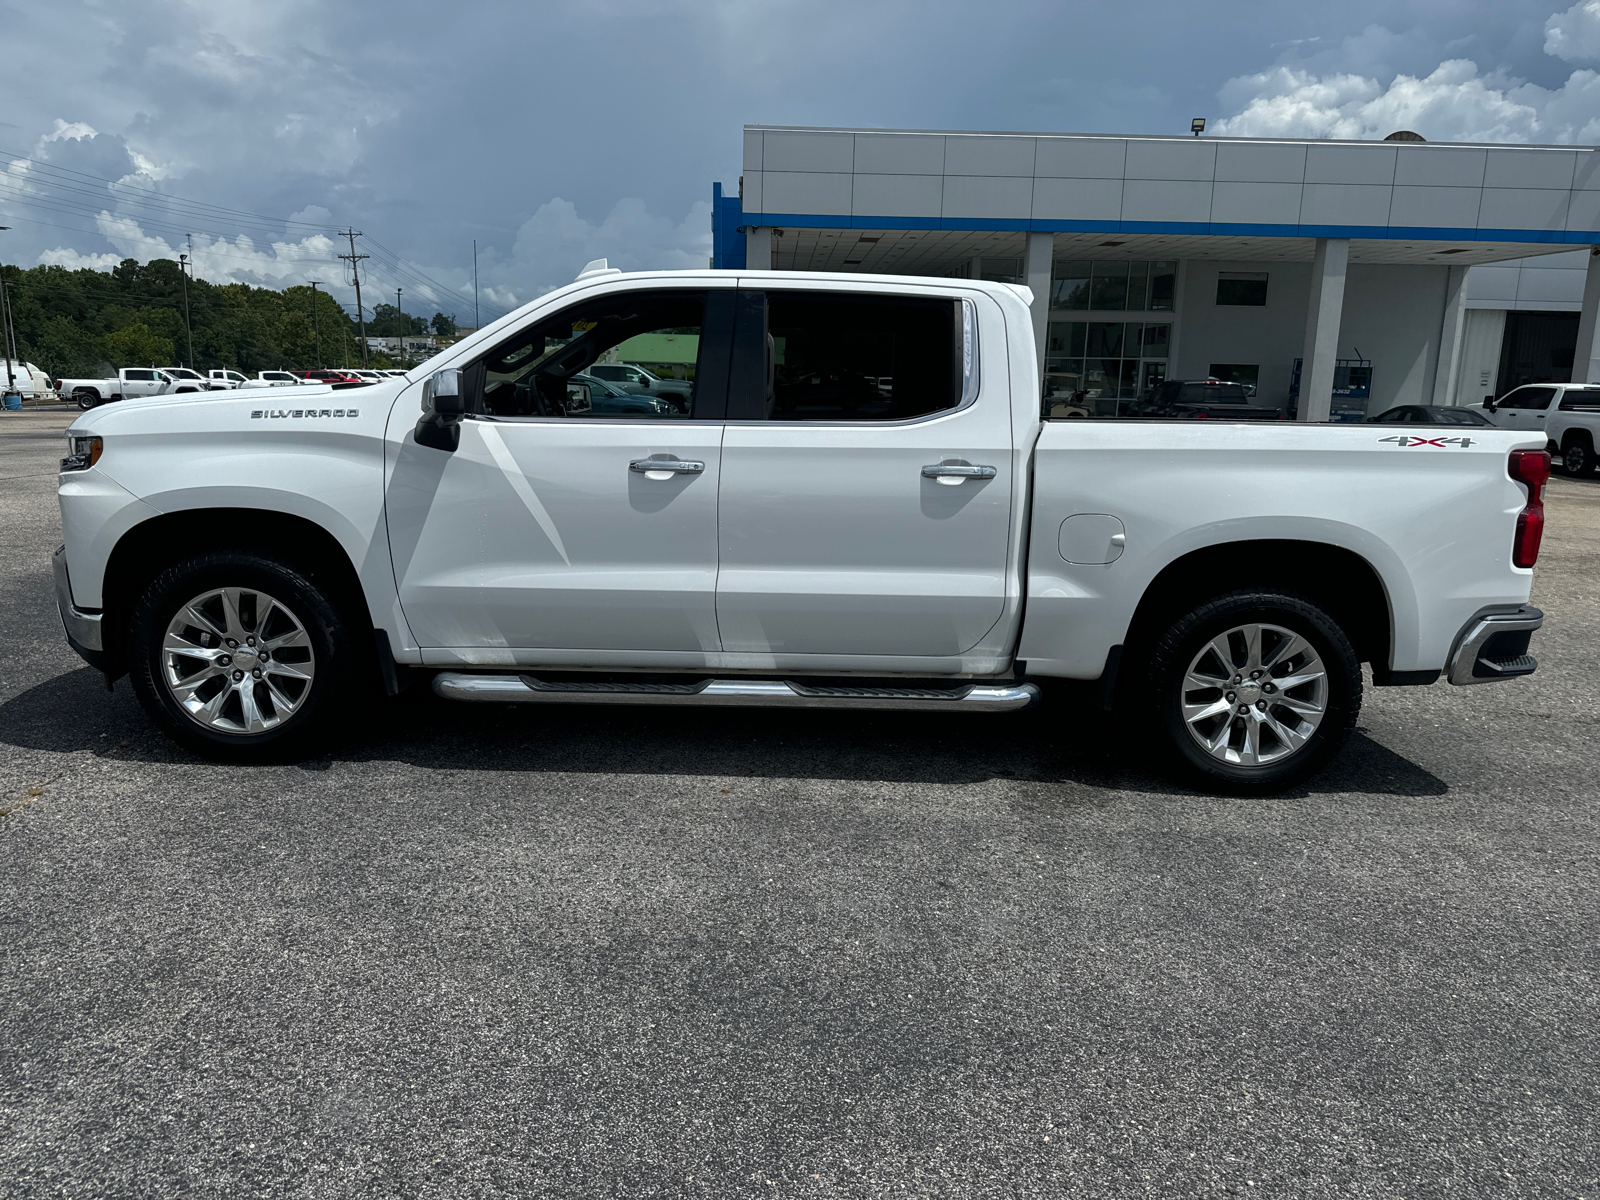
(666, 466)
(954, 473)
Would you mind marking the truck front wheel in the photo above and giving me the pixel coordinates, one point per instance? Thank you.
(241, 657)
(1254, 691)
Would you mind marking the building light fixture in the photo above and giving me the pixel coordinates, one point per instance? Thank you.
(1197, 126)
(1113, 243)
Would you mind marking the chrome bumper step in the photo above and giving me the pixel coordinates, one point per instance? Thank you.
(749, 693)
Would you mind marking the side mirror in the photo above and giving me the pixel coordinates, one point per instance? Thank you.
(442, 408)
(441, 393)
(1488, 402)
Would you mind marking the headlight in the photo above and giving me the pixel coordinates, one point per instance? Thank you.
(82, 452)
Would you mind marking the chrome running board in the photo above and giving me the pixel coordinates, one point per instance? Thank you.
(749, 693)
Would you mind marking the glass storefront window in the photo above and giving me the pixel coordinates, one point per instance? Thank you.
(1086, 286)
(1108, 291)
(1163, 285)
(1102, 365)
(1069, 284)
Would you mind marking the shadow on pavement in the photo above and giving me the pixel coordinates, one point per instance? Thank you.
(1055, 743)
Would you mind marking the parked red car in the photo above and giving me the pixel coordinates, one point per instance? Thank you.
(332, 376)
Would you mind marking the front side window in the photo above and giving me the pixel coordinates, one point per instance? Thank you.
(839, 356)
(528, 374)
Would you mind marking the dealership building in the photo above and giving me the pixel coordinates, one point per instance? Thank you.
(1361, 274)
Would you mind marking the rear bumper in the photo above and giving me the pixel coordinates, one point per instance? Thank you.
(83, 628)
(1494, 646)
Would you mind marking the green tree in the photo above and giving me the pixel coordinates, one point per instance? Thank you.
(136, 346)
(444, 326)
(61, 347)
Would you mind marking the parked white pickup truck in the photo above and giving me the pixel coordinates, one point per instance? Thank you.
(237, 379)
(1568, 414)
(128, 383)
(799, 536)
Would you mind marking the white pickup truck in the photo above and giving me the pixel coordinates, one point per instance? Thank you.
(1568, 414)
(237, 379)
(128, 383)
(796, 536)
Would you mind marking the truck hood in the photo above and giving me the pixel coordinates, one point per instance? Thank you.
(219, 410)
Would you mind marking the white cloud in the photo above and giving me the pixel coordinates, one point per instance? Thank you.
(552, 246)
(1574, 35)
(1455, 102)
(76, 131)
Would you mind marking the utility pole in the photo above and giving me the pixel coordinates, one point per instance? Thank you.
(185, 265)
(403, 326)
(5, 317)
(315, 333)
(355, 271)
(476, 324)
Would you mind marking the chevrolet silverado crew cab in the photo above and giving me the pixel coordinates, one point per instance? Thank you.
(1567, 414)
(857, 507)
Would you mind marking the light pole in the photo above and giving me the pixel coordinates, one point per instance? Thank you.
(315, 334)
(183, 269)
(10, 340)
(402, 312)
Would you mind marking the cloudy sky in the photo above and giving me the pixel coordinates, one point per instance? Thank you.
(553, 133)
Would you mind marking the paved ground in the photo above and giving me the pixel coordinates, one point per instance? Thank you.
(644, 953)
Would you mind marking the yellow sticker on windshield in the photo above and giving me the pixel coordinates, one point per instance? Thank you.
(583, 326)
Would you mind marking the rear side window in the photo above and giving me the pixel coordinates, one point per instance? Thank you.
(1580, 400)
(840, 356)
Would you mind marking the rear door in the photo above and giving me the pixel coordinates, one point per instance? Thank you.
(840, 534)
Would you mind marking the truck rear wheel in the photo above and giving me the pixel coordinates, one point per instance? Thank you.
(240, 657)
(85, 398)
(1577, 456)
(1254, 691)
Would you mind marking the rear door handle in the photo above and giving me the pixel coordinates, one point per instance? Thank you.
(952, 470)
(669, 466)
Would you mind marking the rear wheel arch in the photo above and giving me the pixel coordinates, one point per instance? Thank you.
(1338, 580)
(153, 546)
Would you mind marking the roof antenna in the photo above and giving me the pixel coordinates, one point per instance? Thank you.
(597, 266)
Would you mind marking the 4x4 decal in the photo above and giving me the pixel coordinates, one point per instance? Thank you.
(1406, 441)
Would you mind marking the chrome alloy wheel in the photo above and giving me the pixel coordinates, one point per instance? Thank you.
(1254, 695)
(237, 661)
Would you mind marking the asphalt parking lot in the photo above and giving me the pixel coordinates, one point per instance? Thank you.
(623, 952)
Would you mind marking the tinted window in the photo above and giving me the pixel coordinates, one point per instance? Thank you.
(1580, 400)
(141, 376)
(527, 374)
(1529, 397)
(843, 357)
(1247, 288)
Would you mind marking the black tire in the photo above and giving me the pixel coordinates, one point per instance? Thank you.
(1339, 693)
(86, 399)
(1577, 457)
(324, 706)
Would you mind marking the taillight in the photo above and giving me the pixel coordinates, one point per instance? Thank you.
(1532, 469)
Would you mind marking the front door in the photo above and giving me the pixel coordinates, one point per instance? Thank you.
(839, 534)
(549, 527)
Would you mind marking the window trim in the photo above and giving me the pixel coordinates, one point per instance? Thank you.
(969, 349)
